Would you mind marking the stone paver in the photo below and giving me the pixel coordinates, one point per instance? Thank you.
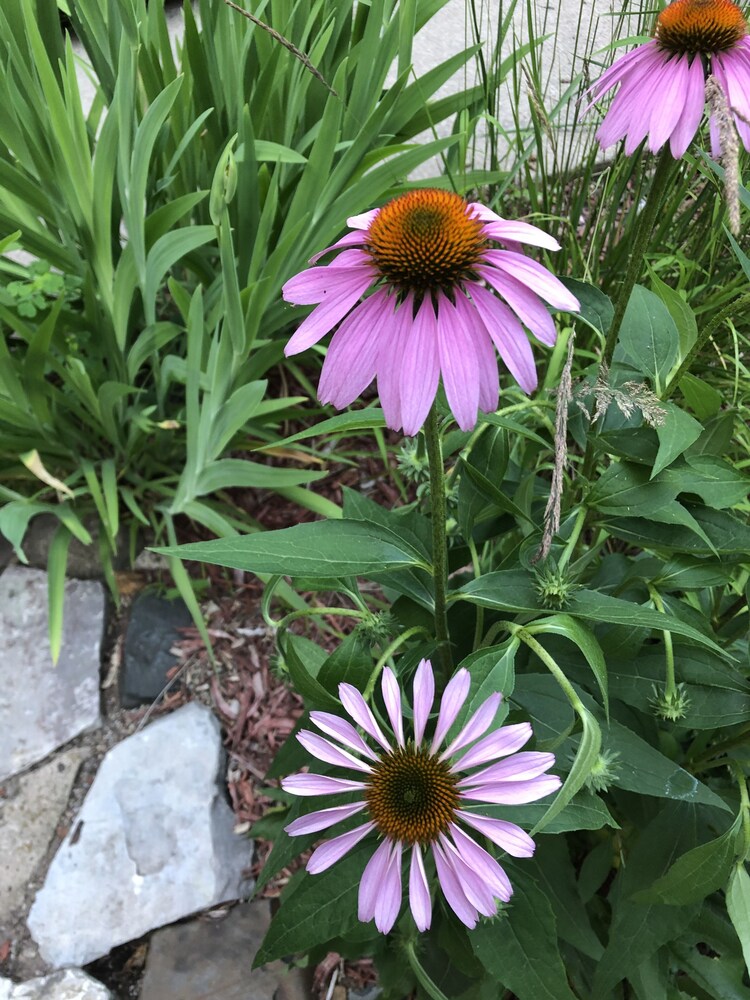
(27, 824)
(153, 843)
(212, 958)
(42, 705)
(151, 632)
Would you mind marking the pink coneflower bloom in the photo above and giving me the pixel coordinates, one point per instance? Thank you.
(663, 82)
(426, 258)
(418, 795)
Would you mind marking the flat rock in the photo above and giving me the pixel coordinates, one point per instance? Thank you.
(70, 984)
(151, 633)
(42, 705)
(27, 824)
(212, 958)
(153, 843)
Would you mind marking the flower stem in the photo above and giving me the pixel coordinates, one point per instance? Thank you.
(670, 688)
(733, 309)
(439, 539)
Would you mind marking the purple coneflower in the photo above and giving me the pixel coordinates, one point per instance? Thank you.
(418, 795)
(663, 82)
(427, 260)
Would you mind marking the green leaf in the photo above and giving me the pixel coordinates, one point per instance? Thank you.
(678, 431)
(585, 812)
(57, 561)
(738, 907)
(343, 423)
(320, 908)
(303, 678)
(491, 670)
(321, 548)
(717, 482)
(274, 152)
(695, 874)
(649, 336)
(703, 399)
(679, 310)
(520, 949)
(586, 641)
(597, 310)
(586, 757)
(557, 876)
(227, 473)
(626, 489)
(351, 662)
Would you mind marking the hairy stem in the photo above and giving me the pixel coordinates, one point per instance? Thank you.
(439, 540)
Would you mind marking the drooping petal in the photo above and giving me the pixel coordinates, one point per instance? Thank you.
(489, 385)
(331, 851)
(322, 819)
(482, 864)
(359, 710)
(476, 890)
(316, 284)
(350, 240)
(508, 337)
(420, 368)
(666, 112)
(649, 98)
(476, 725)
(645, 54)
(390, 361)
(459, 364)
(513, 793)
(424, 695)
(454, 696)
(498, 743)
(351, 359)
(341, 730)
(318, 784)
(419, 891)
(508, 836)
(323, 749)
(392, 699)
(525, 304)
(372, 881)
(325, 316)
(692, 112)
(388, 901)
(452, 890)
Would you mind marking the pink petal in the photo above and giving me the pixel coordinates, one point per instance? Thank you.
(643, 54)
(362, 221)
(488, 375)
(392, 699)
(359, 710)
(477, 891)
(476, 725)
(316, 284)
(350, 240)
(322, 819)
(419, 892)
(510, 837)
(452, 889)
(424, 695)
(519, 767)
(454, 696)
(508, 337)
(325, 750)
(318, 784)
(372, 881)
(350, 362)
(666, 112)
(325, 316)
(520, 232)
(420, 369)
(331, 851)
(459, 364)
(692, 111)
(650, 97)
(390, 360)
(525, 304)
(498, 743)
(482, 864)
(388, 901)
(534, 276)
(343, 731)
(513, 793)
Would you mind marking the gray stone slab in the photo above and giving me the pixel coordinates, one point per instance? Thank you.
(27, 824)
(153, 843)
(70, 984)
(43, 705)
(212, 958)
(151, 633)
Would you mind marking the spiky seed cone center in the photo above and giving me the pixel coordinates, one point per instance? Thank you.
(412, 795)
(426, 240)
(700, 26)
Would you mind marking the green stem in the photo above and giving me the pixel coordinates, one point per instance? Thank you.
(479, 627)
(573, 540)
(643, 228)
(551, 664)
(386, 655)
(733, 309)
(670, 688)
(439, 539)
(432, 991)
